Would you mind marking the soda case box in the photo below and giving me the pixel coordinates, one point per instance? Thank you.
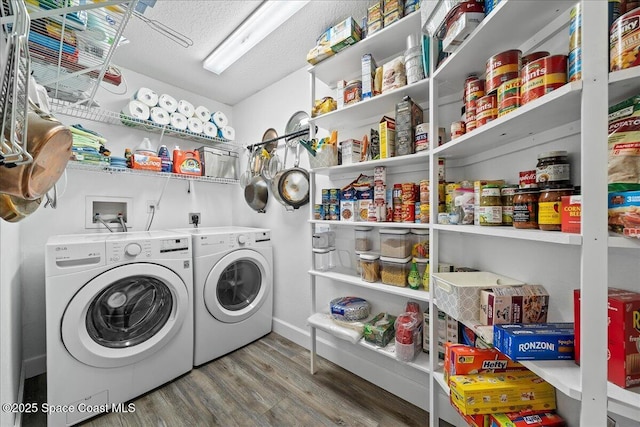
(536, 341)
(624, 336)
(461, 359)
(518, 304)
(501, 392)
(527, 419)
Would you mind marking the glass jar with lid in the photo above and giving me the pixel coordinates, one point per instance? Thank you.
(553, 169)
(525, 208)
(363, 239)
(508, 193)
(370, 267)
(490, 210)
(420, 243)
(550, 208)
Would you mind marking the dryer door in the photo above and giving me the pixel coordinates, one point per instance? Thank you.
(237, 286)
(125, 315)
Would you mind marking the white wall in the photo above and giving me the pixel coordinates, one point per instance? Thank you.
(10, 312)
(213, 201)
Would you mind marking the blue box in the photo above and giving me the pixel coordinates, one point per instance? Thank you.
(539, 341)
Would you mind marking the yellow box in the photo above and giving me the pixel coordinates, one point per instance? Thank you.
(501, 392)
(387, 137)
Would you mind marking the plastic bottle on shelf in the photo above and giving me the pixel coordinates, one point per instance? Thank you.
(414, 278)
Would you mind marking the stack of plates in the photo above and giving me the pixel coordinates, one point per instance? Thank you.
(118, 162)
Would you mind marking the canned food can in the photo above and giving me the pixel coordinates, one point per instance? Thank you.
(508, 96)
(470, 115)
(441, 171)
(624, 41)
(533, 56)
(528, 179)
(575, 65)
(325, 210)
(543, 76)
(575, 27)
(457, 129)
(396, 195)
(422, 137)
(424, 191)
(486, 110)
(501, 68)
(473, 88)
(334, 211)
(408, 192)
(397, 213)
(424, 213)
(334, 196)
(325, 195)
(416, 215)
(408, 212)
(318, 211)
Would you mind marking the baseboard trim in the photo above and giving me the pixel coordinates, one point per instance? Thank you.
(17, 421)
(35, 366)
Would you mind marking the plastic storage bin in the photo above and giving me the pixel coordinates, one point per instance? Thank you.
(395, 242)
(394, 271)
(324, 259)
(420, 243)
(370, 267)
(363, 239)
(324, 240)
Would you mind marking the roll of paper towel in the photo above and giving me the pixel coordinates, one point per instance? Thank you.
(185, 108)
(137, 110)
(146, 96)
(178, 121)
(194, 125)
(219, 119)
(160, 116)
(168, 102)
(210, 130)
(227, 132)
(202, 113)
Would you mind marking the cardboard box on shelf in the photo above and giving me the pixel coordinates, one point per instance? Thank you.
(535, 341)
(387, 132)
(368, 75)
(518, 304)
(527, 419)
(461, 359)
(344, 34)
(408, 116)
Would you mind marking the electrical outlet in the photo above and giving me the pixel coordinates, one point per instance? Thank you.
(152, 205)
(194, 218)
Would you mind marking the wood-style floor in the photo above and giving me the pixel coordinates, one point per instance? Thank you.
(266, 383)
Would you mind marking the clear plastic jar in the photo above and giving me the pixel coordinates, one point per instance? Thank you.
(370, 267)
(395, 242)
(420, 243)
(324, 259)
(394, 271)
(363, 239)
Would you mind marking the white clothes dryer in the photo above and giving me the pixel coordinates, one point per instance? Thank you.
(233, 295)
(119, 319)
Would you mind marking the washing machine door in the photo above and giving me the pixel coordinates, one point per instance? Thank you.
(237, 286)
(124, 315)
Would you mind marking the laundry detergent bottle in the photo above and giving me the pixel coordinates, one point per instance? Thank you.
(186, 162)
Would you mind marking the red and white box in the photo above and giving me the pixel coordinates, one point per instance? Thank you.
(571, 215)
(517, 304)
(624, 336)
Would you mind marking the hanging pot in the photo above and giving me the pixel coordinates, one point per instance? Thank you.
(49, 143)
(297, 123)
(291, 186)
(14, 209)
(256, 193)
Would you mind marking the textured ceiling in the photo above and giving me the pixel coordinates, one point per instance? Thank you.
(208, 23)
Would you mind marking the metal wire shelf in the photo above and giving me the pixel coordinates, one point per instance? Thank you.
(116, 171)
(110, 117)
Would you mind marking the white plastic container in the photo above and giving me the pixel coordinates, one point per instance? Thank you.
(363, 239)
(370, 267)
(324, 259)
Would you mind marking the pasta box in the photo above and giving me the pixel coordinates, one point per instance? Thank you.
(542, 341)
(458, 293)
(527, 419)
(624, 336)
(501, 392)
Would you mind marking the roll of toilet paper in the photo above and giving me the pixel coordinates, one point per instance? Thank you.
(210, 130)
(137, 110)
(219, 119)
(194, 125)
(168, 102)
(146, 96)
(160, 116)
(202, 113)
(178, 121)
(227, 132)
(185, 108)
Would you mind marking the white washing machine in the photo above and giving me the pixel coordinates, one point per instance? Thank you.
(233, 295)
(119, 319)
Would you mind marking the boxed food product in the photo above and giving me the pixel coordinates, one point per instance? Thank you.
(464, 360)
(350, 151)
(392, 6)
(624, 212)
(392, 17)
(340, 85)
(441, 331)
(150, 163)
(623, 336)
(571, 216)
(461, 23)
(537, 341)
(393, 74)
(368, 75)
(344, 34)
(476, 420)
(380, 329)
(387, 137)
(348, 210)
(500, 392)
(319, 53)
(408, 116)
(519, 304)
(624, 146)
(395, 242)
(394, 271)
(374, 18)
(458, 293)
(527, 419)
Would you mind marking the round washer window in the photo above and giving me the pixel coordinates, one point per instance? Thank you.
(239, 284)
(129, 312)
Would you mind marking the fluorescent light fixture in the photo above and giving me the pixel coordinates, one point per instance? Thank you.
(266, 18)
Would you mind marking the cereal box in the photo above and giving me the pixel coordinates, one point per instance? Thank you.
(501, 392)
(541, 341)
(624, 336)
(463, 360)
(387, 137)
(527, 419)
